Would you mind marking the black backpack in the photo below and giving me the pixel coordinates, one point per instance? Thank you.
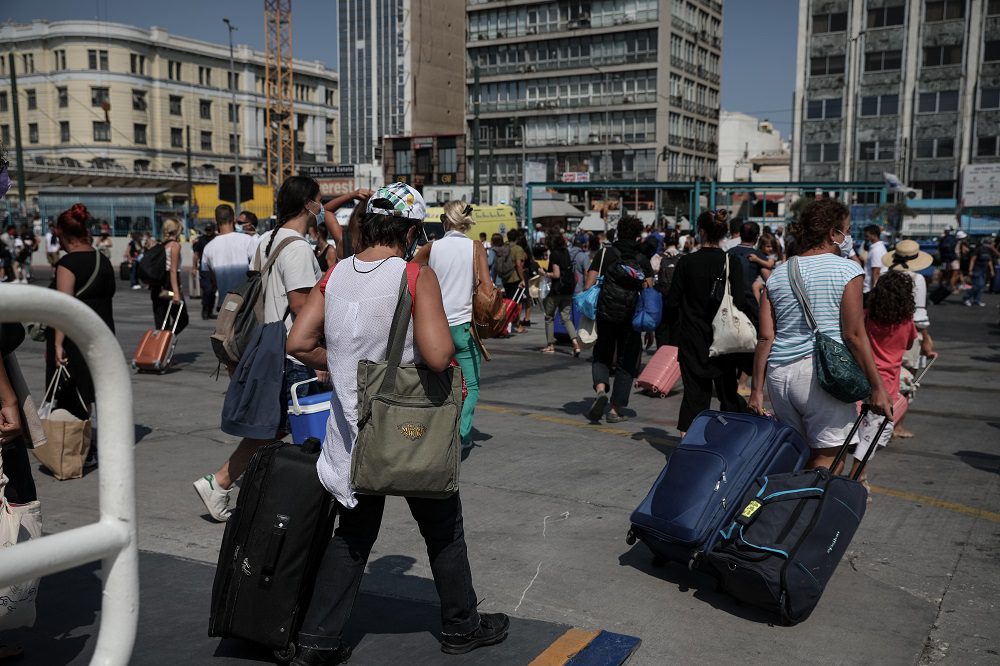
(620, 290)
(665, 276)
(567, 278)
(946, 248)
(503, 263)
(153, 266)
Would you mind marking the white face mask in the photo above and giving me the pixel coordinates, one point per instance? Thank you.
(846, 245)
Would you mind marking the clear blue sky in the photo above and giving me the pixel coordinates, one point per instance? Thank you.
(758, 58)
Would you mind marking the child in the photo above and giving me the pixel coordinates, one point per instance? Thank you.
(889, 323)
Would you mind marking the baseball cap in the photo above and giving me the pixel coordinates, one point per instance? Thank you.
(949, 229)
(398, 200)
(961, 234)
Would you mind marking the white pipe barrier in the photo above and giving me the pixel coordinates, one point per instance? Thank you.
(113, 538)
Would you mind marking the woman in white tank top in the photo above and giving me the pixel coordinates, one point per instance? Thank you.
(453, 259)
(354, 310)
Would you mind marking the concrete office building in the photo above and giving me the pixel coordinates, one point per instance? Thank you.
(157, 85)
(910, 87)
(402, 66)
(620, 89)
(744, 139)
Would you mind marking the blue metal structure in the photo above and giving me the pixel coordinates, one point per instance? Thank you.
(124, 209)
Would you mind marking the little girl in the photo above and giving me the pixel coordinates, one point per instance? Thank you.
(889, 323)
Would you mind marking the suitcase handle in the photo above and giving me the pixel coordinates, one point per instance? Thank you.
(842, 453)
(296, 409)
(274, 541)
(166, 317)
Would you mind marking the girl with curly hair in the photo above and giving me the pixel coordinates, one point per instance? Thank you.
(891, 331)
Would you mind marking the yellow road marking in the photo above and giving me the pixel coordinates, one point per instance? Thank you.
(905, 495)
(564, 647)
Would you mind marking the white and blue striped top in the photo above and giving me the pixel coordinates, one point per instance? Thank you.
(824, 276)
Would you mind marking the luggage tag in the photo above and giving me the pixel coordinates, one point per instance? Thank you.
(749, 513)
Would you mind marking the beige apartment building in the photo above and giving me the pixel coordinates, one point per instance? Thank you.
(113, 98)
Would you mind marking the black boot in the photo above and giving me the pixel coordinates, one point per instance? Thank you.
(492, 630)
(315, 657)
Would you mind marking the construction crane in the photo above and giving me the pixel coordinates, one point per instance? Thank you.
(280, 111)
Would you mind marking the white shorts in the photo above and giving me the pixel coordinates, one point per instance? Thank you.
(866, 434)
(800, 402)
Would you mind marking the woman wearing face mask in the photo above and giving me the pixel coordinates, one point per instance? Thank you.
(785, 347)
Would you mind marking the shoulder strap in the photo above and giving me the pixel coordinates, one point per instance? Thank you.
(397, 332)
(93, 276)
(600, 264)
(799, 289)
(265, 272)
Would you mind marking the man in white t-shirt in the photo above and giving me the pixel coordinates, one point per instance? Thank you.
(228, 257)
(876, 250)
(52, 247)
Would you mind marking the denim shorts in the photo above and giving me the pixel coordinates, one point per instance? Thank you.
(295, 372)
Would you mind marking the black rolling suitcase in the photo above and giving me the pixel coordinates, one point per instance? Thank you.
(271, 549)
(940, 293)
(789, 535)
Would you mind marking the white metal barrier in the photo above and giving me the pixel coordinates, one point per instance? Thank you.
(113, 538)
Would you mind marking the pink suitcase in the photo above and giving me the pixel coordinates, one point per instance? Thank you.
(661, 373)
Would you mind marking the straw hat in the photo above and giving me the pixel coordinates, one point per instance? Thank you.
(907, 257)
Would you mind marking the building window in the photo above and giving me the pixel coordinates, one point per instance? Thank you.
(63, 96)
(824, 65)
(138, 100)
(175, 105)
(5, 134)
(938, 102)
(173, 70)
(830, 22)
(229, 80)
(138, 63)
(986, 146)
(205, 76)
(880, 105)
(944, 10)
(883, 61)
(206, 141)
(992, 51)
(883, 17)
(32, 99)
(329, 125)
(205, 109)
(930, 148)
(64, 131)
(447, 160)
(32, 132)
(876, 150)
(59, 59)
(403, 161)
(102, 131)
(234, 113)
(28, 63)
(97, 59)
(142, 165)
(331, 97)
(139, 134)
(3, 102)
(98, 96)
(823, 108)
(234, 143)
(822, 152)
(937, 56)
(176, 137)
(329, 153)
(989, 98)
(993, 7)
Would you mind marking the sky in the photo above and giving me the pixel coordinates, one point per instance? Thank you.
(758, 57)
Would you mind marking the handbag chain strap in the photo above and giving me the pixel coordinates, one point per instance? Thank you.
(799, 289)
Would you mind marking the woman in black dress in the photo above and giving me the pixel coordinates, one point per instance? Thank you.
(691, 304)
(85, 273)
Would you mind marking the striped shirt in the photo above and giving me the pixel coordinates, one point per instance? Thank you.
(825, 276)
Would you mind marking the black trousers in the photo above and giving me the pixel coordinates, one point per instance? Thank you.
(346, 556)
(160, 306)
(20, 488)
(620, 345)
(207, 292)
(698, 390)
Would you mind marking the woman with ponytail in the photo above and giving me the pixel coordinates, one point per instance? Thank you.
(692, 302)
(85, 273)
(294, 273)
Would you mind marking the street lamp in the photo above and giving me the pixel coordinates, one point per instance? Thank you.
(236, 136)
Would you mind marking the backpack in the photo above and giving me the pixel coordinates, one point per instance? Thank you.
(567, 279)
(153, 266)
(620, 291)
(243, 310)
(946, 248)
(503, 264)
(665, 276)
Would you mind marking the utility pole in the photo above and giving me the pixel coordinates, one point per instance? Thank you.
(475, 133)
(492, 129)
(18, 150)
(190, 186)
(236, 135)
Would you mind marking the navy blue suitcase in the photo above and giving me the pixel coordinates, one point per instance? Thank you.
(704, 480)
(788, 537)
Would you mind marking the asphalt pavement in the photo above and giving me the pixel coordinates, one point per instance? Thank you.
(547, 498)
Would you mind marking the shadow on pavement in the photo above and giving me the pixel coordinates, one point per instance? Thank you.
(986, 462)
(659, 439)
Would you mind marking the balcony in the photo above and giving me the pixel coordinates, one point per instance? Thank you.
(565, 104)
(562, 64)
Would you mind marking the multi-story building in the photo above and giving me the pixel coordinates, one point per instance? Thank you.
(622, 89)
(742, 140)
(910, 87)
(119, 97)
(402, 66)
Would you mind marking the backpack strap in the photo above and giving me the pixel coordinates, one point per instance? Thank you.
(266, 270)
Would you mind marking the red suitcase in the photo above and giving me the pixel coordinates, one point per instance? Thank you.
(661, 373)
(513, 307)
(156, 347)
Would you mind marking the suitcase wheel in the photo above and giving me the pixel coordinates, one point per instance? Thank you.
(286, 654)
(630, 538)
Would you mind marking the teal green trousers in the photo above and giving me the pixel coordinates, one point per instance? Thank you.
(467, 355)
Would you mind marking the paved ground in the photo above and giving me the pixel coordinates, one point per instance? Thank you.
(547, 499)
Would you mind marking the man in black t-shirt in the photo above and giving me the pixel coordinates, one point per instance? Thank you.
(204, 277)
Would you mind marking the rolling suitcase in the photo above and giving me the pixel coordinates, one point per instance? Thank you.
(513, 308)
(699, 489)
(124, 271)
(939, 294)
(156, 347)
(791, 530)
(271, 549)
(661, 373)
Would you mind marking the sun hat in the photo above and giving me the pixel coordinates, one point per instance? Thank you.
(961, 234)
(907, 256)
(398, 200)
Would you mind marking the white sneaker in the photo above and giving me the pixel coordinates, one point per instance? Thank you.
(136, 287)
(216, 499)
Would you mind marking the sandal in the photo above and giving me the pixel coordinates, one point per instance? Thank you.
(548, 350)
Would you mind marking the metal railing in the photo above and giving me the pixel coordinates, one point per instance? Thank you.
(112, 539)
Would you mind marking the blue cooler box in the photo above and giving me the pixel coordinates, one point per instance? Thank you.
(307, 416)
